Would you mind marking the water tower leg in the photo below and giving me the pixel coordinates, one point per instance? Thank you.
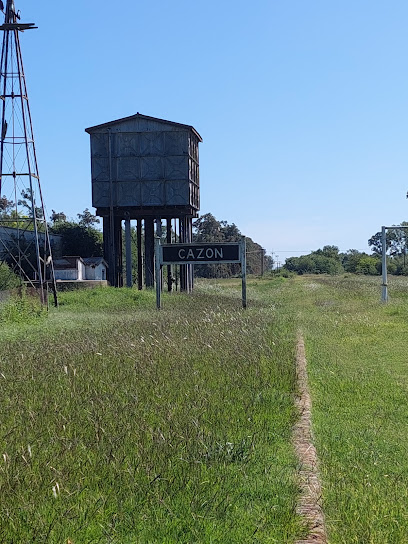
(118, 252)
(176, 267)
(139, 256)
(107, 253)
(168, 240)
(149, 251)
(183, 267)
(128, 233)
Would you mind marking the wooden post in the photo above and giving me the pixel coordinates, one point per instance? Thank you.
(139, 256)
(149, 251)
(128, 235)
(107, 254)
(118, 253)
(168, 240)
(157, 261)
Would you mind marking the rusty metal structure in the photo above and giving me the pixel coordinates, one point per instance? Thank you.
(147, 170)
(28, 249)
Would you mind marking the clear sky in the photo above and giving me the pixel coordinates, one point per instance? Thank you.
(302, 106)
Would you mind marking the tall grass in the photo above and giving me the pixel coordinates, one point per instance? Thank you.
(121, 424)
(21, 308)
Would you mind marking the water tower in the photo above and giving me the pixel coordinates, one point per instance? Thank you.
(144, 169)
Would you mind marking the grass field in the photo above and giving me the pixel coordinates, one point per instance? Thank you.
(358, 370)
(121, 424)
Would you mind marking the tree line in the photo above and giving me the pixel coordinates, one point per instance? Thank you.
(329, 259)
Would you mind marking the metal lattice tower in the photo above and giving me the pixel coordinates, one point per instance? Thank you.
(24, 239)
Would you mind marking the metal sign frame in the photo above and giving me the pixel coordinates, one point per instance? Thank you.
(384, 285)
(200, 253)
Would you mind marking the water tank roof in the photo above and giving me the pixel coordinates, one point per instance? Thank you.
(147, 118)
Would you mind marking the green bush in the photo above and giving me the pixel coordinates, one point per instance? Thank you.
(8, 279)
(22, 308)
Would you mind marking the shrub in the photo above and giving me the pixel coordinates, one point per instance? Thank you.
(8, 279)
(22, 308)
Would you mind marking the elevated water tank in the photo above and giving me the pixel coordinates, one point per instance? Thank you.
(142, 163)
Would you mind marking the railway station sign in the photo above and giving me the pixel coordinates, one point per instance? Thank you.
(201, 253)
(210, 253)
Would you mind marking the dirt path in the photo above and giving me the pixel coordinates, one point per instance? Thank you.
(309, 504)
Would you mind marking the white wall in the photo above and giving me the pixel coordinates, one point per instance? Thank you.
(70, 274)
(96, 273)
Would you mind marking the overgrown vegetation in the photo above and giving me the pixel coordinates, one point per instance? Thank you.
(79, 238)
(8, 279)
(21, 307)
(121, 424)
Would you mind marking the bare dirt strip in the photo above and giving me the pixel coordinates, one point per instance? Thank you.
(309, 504)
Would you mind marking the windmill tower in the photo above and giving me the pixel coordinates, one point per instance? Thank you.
(24, 239)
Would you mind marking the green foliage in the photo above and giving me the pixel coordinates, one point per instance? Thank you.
(78, 240)
(331, 252)
(322, 261)
(8, 279)
(22, 308)
(87, 219)
(358, 262)
(110, 298)
(396, 243)
(368, 266)
(208, 229)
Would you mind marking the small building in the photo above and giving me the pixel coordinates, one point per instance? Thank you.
(80, 269)
(95, 268)
(69, 269)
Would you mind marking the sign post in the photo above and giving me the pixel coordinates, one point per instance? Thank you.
(243, 272)
(229, 252)
(384, 290)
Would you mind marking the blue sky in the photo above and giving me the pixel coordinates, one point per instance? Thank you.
(302, 106)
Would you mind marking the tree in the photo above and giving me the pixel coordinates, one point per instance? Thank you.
(332, 252)
(356, 262)
(6, 206)
(318, 262)
(27, 201)
(367, 265)
(57, 217)
(78, 240)
(87, 219)
(396, 241)
(8, 279)
(208, 229)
